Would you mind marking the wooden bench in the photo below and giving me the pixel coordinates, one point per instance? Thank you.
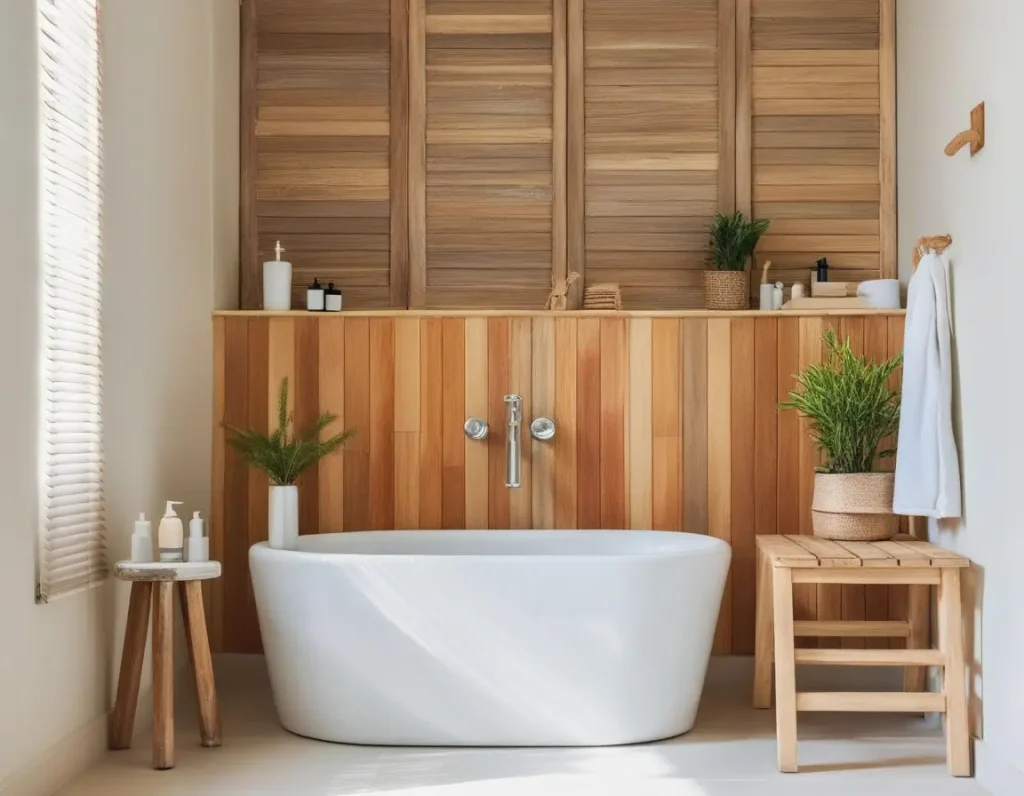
(786, 560)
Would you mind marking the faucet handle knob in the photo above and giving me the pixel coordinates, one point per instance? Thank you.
(476, 429)
(542, 429)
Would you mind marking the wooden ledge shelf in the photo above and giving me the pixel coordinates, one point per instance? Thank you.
(457, 313)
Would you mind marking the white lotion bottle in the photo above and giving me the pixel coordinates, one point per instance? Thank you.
(277, 282)
(198, 544)
(142, 541)
(170, 535)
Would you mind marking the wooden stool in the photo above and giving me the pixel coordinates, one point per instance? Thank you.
(785, 560)
(158, 580)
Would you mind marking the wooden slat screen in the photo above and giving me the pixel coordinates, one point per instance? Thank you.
(821, 136)
(462, 153)
(652, 145)
(324, 145)
(488, 176)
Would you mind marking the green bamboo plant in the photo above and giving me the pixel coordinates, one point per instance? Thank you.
(851, 407)
(733, 240)
(280, 456)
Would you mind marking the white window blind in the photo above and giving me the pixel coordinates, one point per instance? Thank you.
(72, 545)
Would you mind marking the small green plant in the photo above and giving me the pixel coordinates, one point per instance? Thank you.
(281, 457)
(850, 405)
(733, 240)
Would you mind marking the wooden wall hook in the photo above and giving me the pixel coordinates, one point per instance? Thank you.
(975, 136)
(937, 243)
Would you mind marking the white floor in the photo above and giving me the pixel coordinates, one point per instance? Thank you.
(731, 751)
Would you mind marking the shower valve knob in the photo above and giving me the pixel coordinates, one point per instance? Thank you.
(476, 428)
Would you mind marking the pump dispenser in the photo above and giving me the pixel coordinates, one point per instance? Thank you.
(170, 535)
(198, 545)
(142, 541)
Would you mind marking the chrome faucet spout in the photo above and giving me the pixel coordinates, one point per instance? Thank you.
(513, 444)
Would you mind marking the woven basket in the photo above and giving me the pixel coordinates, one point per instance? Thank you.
(727, 290)
(855, 507)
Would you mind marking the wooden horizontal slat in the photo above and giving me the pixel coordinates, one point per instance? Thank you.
(856, 657)
(828, 553)
(851, 629)
(857, 702)
(919, 576)
(783, 552)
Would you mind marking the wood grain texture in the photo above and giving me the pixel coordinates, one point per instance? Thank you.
(250, 275)
(417, 153)
(305, 385)
(163, 675)
(398, 180)
(122, 718)
(662, 422)
(215, 597)
(197, 642)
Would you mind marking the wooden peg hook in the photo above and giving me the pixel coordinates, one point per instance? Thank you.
(975, 136)
(936, 243)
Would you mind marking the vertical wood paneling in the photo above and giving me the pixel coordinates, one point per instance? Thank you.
(854, 597)
(542, 454)
(235, 582)
(876, 598)
(307, 409)
(399, 153)
(666, 426)
(332, 401)
(628, 395)
(727, 92)
(743, 479)
(766, 425)
(382, 423)
(695, 425)
(521, 383)
(575, 203)
(214, 596)
(477, 466)
(588, 423)
(559, 140)
(407, 423)
(612, 429)
(357, 418)
(744, 107)
(565, 423)
(498, 383)
(888, 239)
(431, 423)
(899, 596)
(641, 428)
(823, 601)
(453, 416)
(417, 153)
(250, 278)
(719, 457)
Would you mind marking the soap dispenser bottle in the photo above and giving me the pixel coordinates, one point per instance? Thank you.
(142, 541)
(823, 270)
(198, 545)
(332, 298)
(170, 535)
(315, 297)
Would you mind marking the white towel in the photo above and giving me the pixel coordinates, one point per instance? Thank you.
(927, 465)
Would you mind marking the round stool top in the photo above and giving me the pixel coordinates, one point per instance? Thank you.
(170, 570)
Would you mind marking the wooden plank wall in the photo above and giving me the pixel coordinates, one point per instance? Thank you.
(325, 146)
(658, 103)
(461, 153)
(816, 104)
(665, 423)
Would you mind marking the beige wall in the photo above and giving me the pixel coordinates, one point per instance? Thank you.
(954, 54)
(170, 225)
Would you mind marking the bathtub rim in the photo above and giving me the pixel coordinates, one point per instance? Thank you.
(715, 545)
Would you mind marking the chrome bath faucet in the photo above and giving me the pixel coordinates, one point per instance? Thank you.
(513, 444)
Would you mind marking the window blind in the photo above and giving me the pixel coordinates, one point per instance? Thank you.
(72, 541)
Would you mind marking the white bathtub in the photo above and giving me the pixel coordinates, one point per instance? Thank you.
(489, 638)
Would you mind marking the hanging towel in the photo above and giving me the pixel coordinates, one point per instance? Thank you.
(927, 465)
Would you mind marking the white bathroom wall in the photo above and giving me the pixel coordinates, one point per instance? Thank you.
(170, 226)
(952, 55)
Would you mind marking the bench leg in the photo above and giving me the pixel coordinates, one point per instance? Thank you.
(919, 615)
(763, 647)
(122, 718)
(958, 742)
(785, 670)
(198, 643)
(163, 675)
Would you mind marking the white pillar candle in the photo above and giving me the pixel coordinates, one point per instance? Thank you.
(277, 282)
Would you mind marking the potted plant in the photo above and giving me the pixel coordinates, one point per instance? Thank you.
(733, 240)
(283, 459)
(852, 410)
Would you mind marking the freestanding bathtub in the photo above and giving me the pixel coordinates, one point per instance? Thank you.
(489, 638)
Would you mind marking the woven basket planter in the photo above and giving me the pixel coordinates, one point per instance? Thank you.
(855, 507)
(727, 290)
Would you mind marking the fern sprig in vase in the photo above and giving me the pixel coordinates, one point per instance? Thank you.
(733, 240)
(284, 457)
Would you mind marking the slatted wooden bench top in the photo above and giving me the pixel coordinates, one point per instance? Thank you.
(808, 552)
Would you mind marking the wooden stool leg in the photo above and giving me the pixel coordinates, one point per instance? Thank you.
(191, 593)
(785, 669)
(163, 675)
(763, 649)
(958, 742)
(919, 615)
(122, 719)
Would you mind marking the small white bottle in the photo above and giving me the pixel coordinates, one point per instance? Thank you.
(142, 541)
(778, 296)
(198, 545)
(170, 535)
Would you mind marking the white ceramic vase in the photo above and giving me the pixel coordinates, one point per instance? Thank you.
(283, 517)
